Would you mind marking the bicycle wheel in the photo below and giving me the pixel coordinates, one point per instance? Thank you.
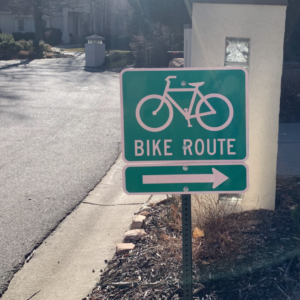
(154, 113)
(217, 128)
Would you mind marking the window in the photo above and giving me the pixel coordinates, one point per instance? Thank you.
(26, 25)
(29, 25)
(21, 24)
(76, 24)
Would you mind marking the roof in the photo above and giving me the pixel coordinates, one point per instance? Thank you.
(95, 37)
(23, 7)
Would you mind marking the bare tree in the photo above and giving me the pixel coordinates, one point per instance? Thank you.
(112, 16)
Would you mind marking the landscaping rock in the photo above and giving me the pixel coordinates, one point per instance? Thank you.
(123, 248)
(134, 235)
(176, 63)
(145, 208)
(137, 222)
(144, 213)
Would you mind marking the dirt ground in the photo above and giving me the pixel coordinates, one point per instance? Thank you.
(248, 255)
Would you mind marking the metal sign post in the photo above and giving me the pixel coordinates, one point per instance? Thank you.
(187, 263)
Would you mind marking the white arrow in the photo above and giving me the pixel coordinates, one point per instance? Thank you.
(216, 178)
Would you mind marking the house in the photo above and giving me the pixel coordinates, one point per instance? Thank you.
(73, 17)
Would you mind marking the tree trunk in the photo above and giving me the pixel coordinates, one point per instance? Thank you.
(39, 24)
(102, 17)
(105, 13)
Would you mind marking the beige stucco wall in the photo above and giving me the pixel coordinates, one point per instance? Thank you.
(264, 25)
(7, 23)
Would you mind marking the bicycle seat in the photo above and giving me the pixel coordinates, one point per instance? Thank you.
(196, 84)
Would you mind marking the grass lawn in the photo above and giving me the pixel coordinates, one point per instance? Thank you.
(118, 59)
(116, 51)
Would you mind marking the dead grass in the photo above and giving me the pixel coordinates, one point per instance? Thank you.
(227, 231)
(75, 49)
(218, 220)
(222, 223)
(117, 51)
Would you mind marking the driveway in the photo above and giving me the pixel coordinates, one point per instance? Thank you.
(60, 134)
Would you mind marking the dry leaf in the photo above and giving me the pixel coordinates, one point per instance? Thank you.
(174, 211)
(198, 233)
(165, 237)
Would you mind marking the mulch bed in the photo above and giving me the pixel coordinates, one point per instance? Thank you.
(254, 256)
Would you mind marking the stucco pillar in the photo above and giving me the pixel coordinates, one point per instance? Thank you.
(66, 36)
(261, 23)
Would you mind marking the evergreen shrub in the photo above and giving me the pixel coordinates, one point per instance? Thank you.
(8, 44)
(119, 59)
(26, 45)
(27, 36)
(53, 36)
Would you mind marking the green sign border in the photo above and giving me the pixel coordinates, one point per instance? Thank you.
(232, 161)
(235, 178)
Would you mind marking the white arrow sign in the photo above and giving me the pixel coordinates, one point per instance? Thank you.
(216, 178)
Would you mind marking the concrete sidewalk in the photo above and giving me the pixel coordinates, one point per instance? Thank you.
(288, 161)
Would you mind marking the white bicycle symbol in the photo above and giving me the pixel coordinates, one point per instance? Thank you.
(186, 112)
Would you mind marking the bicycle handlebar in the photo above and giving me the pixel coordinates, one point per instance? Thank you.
(170, 77)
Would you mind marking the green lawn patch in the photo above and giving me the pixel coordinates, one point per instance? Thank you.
(118, 59)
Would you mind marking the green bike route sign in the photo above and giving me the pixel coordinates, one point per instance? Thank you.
(184, 115)
(191, 179)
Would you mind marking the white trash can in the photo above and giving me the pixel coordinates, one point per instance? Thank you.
(94, 51)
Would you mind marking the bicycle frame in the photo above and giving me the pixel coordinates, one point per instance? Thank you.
(186, 112)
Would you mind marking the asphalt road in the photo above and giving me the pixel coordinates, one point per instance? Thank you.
(60, 134)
